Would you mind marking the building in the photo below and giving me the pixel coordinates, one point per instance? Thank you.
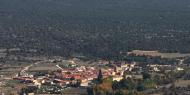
(117, 78)
(144, 53)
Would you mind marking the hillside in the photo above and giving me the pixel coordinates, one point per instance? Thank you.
(98, 28)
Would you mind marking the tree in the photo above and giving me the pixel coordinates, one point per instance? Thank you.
(115, 86)
(120, 92)
(140, 87)
(27, 90)
(146, 75)
(90, 91)
(149, 84)
(100, 76)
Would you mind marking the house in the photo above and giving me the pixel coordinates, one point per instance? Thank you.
(144, 53)
(128, 76)
(179, 69)
(137, 77)
(117, 78)
(84, 80)
(182, 83)
(31, 94)
(118, 69)
(84, 84)
(113, 73)
(37, 83)
(124, 65)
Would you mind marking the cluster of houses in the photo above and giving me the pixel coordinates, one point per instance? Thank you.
(158, 68)
(78, 75)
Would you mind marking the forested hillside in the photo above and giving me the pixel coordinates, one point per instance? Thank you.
(98, 28)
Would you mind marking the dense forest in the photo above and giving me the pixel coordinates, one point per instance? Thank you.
(96, 28)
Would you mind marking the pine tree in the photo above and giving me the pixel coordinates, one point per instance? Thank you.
(100, 76)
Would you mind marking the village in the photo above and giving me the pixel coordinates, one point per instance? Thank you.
(78, 77)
